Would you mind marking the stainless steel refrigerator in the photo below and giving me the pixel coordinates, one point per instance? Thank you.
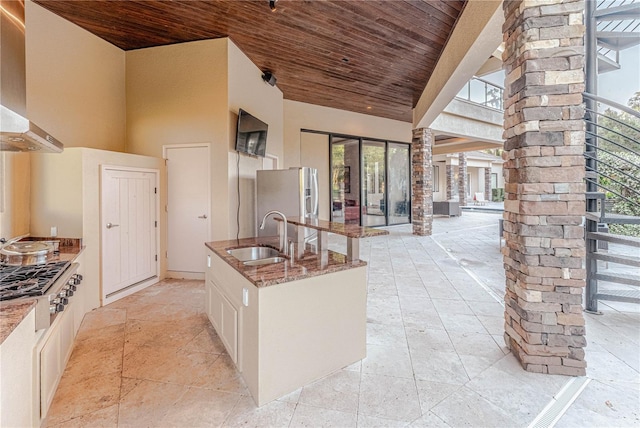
(292, 191)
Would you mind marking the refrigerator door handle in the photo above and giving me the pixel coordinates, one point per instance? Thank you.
(314, 208)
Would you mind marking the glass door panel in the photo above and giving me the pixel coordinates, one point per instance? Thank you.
(345, 180)
(399, 183)
(374, 181)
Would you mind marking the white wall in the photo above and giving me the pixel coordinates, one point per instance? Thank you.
(178, 94)
(14, 194)
(299, 116)
(249, 92)
(66, 193)
(75, 82)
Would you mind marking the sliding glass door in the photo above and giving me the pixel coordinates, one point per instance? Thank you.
(399, 183)
(374, 166)
(370, 181)
(345, 180)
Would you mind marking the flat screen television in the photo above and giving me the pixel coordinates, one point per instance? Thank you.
(251, 135)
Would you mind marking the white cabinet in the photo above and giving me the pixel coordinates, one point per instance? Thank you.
(223, 315)
(54, 353)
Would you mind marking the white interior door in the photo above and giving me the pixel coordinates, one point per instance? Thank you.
(188, 205)
(129, 225)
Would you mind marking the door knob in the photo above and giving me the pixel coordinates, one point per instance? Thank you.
(202, 216)
(110, 225)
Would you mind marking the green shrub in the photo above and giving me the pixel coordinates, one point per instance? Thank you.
(626, 185)
(497, 195)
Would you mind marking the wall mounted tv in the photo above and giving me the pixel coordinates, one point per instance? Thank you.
(251, 135)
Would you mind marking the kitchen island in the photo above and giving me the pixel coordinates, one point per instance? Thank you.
(289, 323)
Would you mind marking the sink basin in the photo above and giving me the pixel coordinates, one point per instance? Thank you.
(266, 261)
(254, 253)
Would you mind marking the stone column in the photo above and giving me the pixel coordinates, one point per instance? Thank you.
(422, 181)
(544, 172)
(450, 176)
(487, 184)
(462, 179)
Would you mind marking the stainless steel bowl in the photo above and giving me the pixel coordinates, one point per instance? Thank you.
(24, 253)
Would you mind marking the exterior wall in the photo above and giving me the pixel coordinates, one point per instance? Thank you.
(468, 120)
(75, 82)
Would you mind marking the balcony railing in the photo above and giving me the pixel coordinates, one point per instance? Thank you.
(481, 92)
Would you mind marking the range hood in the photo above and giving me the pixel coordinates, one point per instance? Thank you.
(17, 133)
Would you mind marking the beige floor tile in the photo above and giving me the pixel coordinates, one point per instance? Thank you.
(146, 403)
(87, 361)
(380, 334)
(206, 341)
(79, 397)
(165, 333)
(223, 376)
(425, 340)
(168, 365)
(388, 360)
(432, 393)
(200, 408)
(104, 336)
(338, 391)
(429, 420)
(103, 418)
(467, 408)
(309, 416)
(105, 317)
(274, 414)
(365, 421)
(438, 366)
(389, 398)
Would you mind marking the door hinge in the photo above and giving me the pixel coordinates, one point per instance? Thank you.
(156, 257)
(155, 223)
(155, 190)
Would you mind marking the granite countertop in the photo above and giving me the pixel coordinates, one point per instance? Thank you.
(12, 312)
(307, 266)
(348, 230)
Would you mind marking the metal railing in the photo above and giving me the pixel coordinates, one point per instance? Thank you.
(481, 92)
(609, 142)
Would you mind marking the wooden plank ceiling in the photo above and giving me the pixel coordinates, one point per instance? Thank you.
(372, 57)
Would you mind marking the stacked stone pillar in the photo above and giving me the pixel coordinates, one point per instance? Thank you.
(487, 184)
(462, 179)
(544, 171)
(450, 177)
(422, 181)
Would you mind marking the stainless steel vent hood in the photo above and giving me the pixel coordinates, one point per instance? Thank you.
(17, 133)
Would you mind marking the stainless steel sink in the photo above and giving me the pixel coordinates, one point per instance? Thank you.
(254, 253)
(266, 261)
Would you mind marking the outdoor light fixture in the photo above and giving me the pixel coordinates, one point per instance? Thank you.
(272, 5)
(269, 78)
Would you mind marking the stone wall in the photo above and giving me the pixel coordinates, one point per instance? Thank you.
(450, 176)
(422, 181)
(544, 171)
(462, 179)
(487, 184)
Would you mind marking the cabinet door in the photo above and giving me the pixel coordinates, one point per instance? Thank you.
(229, 334)
(49, 370)
(215, 306)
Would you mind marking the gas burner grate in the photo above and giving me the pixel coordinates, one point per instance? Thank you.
(28, 281)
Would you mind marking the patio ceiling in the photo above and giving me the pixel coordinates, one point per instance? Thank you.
(371, 57)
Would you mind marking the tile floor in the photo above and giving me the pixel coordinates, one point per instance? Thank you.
(435, 354)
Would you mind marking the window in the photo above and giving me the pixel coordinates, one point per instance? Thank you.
(494, 180)
(436, 178)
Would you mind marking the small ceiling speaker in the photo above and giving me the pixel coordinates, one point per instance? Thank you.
(269, 78)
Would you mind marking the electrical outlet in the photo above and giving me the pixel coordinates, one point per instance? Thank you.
(54, 231)
(245, 297)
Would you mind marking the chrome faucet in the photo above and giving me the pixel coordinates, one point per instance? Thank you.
(282, 230)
